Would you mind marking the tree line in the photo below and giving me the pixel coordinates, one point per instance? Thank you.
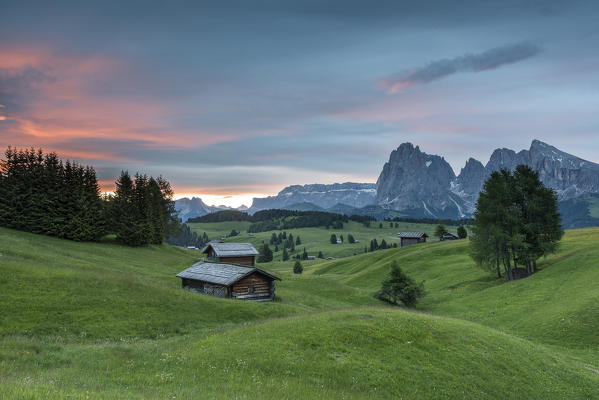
(43, 194)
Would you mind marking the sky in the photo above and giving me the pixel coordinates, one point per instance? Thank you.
(232, 100)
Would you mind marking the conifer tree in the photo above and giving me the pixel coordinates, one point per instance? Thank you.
(265, 254)
(399, 287)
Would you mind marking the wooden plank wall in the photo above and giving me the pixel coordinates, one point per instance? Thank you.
(246, 260)
(255, 284)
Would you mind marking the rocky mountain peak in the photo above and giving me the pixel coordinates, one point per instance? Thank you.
(412, 179)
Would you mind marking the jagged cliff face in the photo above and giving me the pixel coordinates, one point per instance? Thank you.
(417, 182)
(406, 181)
(324, 196)
(569, 175)
(469, 183)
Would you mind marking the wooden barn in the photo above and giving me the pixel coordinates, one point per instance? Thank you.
(448, 236)
(229, 281)
(234, 253)
(409, 238)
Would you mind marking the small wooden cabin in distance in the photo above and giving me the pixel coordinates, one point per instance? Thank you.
(448, 236)
(236, 253)
(409, 238)
(240, 280)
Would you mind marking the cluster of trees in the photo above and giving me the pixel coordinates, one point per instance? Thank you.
(363, 219)
(142, 210)
(222, 216)
(185, 237)
(375, 245)
(286, 241)
(267, 220)
(270, 220)
(431, 221)
(399, 287)
(42, 194)
(516, 222)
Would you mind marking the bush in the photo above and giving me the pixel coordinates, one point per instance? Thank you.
(400, 287)
(462, 232)
(297, 267)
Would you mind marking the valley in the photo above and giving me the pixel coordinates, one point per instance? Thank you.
(112, 321)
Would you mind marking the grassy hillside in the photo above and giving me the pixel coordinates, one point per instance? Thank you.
(54, 287)
(558, 305)
(99, 320)
(353, 354)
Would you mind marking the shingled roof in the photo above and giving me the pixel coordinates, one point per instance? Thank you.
(220, 273)
(412, 235)
(232, 249)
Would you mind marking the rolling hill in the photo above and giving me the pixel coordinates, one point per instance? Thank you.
(100, 320)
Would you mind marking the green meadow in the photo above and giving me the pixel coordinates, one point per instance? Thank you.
(317, 240)
(104, 321)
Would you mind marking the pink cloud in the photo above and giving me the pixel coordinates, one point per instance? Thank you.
(60, 97)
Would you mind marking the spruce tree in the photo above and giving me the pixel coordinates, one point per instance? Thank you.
(285, 254)
(297, 267)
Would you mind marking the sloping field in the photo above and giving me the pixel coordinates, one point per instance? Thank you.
(558, 305)
(99, 320)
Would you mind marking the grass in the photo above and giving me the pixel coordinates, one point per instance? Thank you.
(352, 354)
(318, 239)
(558, 305)
(99, 320)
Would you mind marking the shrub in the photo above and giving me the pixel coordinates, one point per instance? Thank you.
(400, 287)
(297, 267)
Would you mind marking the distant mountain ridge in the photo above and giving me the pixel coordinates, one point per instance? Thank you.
(423, 185)
(420, 185)
(352, 194)
(195, 207)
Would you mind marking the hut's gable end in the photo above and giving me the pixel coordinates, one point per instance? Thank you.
(253, 286)
(246, 260)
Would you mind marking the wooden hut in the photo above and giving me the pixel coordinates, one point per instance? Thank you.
(234, 253)
(448, 236)
(409, 238)
(229, 281)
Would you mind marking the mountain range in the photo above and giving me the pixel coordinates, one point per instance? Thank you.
(420, 185)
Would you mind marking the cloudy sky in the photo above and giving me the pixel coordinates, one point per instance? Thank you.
(243, 98)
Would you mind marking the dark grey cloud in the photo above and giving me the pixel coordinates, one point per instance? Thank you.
(487, 60)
